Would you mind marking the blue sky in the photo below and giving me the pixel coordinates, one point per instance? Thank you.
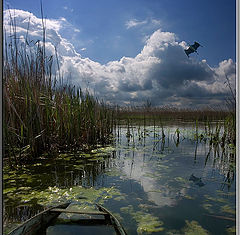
(105, 37)
(151, 34)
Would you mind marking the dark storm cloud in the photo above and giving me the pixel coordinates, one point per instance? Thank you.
(176, 68)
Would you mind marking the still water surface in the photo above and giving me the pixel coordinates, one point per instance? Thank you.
(152, 184)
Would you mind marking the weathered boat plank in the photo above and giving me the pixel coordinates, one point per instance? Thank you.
(118, 227)
(78, 212)
(37, 222)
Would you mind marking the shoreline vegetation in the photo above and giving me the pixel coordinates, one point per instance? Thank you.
(42, 115)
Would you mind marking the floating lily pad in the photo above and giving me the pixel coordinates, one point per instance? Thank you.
(226, 193)
(155, 191)
(23, 176)
(193, 228)
(146, 223)
(208, 207)
(228, 209)
(66, 156)
(180, 179)
(119, 198)
(215, 199)
(8, 190)
(108, 149)
(96, 158)
(78, 167)
(150, 175)
(37, 164)
(231, 231)
(24, 188)
(161, 166)
(189, 197)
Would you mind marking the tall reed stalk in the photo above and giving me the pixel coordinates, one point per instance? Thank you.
(41, 114)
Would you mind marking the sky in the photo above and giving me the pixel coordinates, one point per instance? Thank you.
(127, 52)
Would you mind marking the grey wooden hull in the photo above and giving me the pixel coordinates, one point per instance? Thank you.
(41, 221)
(37, 222)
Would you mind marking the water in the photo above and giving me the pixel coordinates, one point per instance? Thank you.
(152, 184)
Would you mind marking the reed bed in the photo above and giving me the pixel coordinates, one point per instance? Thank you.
(41, 114)
(219, 129)
(170, 113)
(220, 124)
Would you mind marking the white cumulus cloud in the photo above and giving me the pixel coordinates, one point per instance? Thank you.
(161, 72)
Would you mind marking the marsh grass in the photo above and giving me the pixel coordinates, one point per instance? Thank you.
(41, 114)
(219, 124)
(158, 114)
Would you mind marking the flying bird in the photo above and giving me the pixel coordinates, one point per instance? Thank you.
(192, 48)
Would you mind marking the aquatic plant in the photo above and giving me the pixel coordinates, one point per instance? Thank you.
(193, 228)
(54, 195)
(231, 230)
(146, 223)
